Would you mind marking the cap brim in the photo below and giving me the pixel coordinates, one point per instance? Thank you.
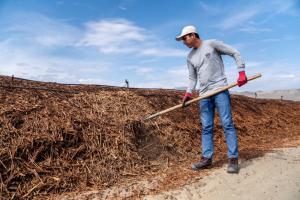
(178, 38)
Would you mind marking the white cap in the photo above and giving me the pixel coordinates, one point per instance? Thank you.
(186, 30)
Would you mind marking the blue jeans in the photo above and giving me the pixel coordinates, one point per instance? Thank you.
(220, 101)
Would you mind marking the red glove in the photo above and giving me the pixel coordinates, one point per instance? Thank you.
(187, 96)
(242, 80)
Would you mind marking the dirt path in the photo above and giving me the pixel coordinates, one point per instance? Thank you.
(276, 175)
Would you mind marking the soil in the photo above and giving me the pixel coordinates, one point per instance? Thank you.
(62, 141)
(276, 175)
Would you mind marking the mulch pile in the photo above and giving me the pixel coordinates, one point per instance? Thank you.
(56, 138)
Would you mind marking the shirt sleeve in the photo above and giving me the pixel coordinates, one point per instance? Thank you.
(192, 77)
(228, 50)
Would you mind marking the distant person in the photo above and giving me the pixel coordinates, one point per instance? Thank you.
(255, 94)
(205, 65)
(281, 98)
(126, 83)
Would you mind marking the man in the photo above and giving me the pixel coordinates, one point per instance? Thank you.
(205, 65)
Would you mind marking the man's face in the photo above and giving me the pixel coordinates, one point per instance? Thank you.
(188, 40)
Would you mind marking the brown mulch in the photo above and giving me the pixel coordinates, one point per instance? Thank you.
(58, 138)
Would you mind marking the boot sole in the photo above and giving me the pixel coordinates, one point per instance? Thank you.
(205, 167)
(233, 171)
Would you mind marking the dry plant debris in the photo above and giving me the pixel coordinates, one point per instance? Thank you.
(53, 142)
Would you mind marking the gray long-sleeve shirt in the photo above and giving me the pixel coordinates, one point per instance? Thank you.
(205, 64)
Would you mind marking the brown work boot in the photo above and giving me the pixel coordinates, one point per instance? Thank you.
(233, 166)
(202, 164)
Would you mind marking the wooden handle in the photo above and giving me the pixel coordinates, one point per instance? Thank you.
(201, 97)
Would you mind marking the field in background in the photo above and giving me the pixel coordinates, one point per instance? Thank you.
(292, 94)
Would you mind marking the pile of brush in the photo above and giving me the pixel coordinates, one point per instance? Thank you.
(56, 138)
(52, 142)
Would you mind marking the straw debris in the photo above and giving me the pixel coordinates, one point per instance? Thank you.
(53, 142)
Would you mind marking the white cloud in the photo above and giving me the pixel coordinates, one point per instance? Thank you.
(252, 29)
(204, 6)
(110, 36)
(239, 18)
(38, 29)
(179, 72)
(254, 64)
(280, 39)
(271, 40)
(287, 6)
(30, 62)
(151, 60)
(274, 77)
(160, 83)
(33, 59)
(163, 52)
(287, 75)
(212, 10)
(122, 8)
(277, 7)
(41, 48)
(95, 81)
(169, 78)
(144, 70)
(113, 36)
(248, 17)
(60, 2)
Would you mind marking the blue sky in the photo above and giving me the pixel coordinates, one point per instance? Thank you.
(106, 42)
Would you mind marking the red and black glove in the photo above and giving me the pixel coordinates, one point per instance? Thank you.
(187, 96)
(242, 80)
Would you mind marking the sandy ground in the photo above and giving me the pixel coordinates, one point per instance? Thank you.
(273, 176)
